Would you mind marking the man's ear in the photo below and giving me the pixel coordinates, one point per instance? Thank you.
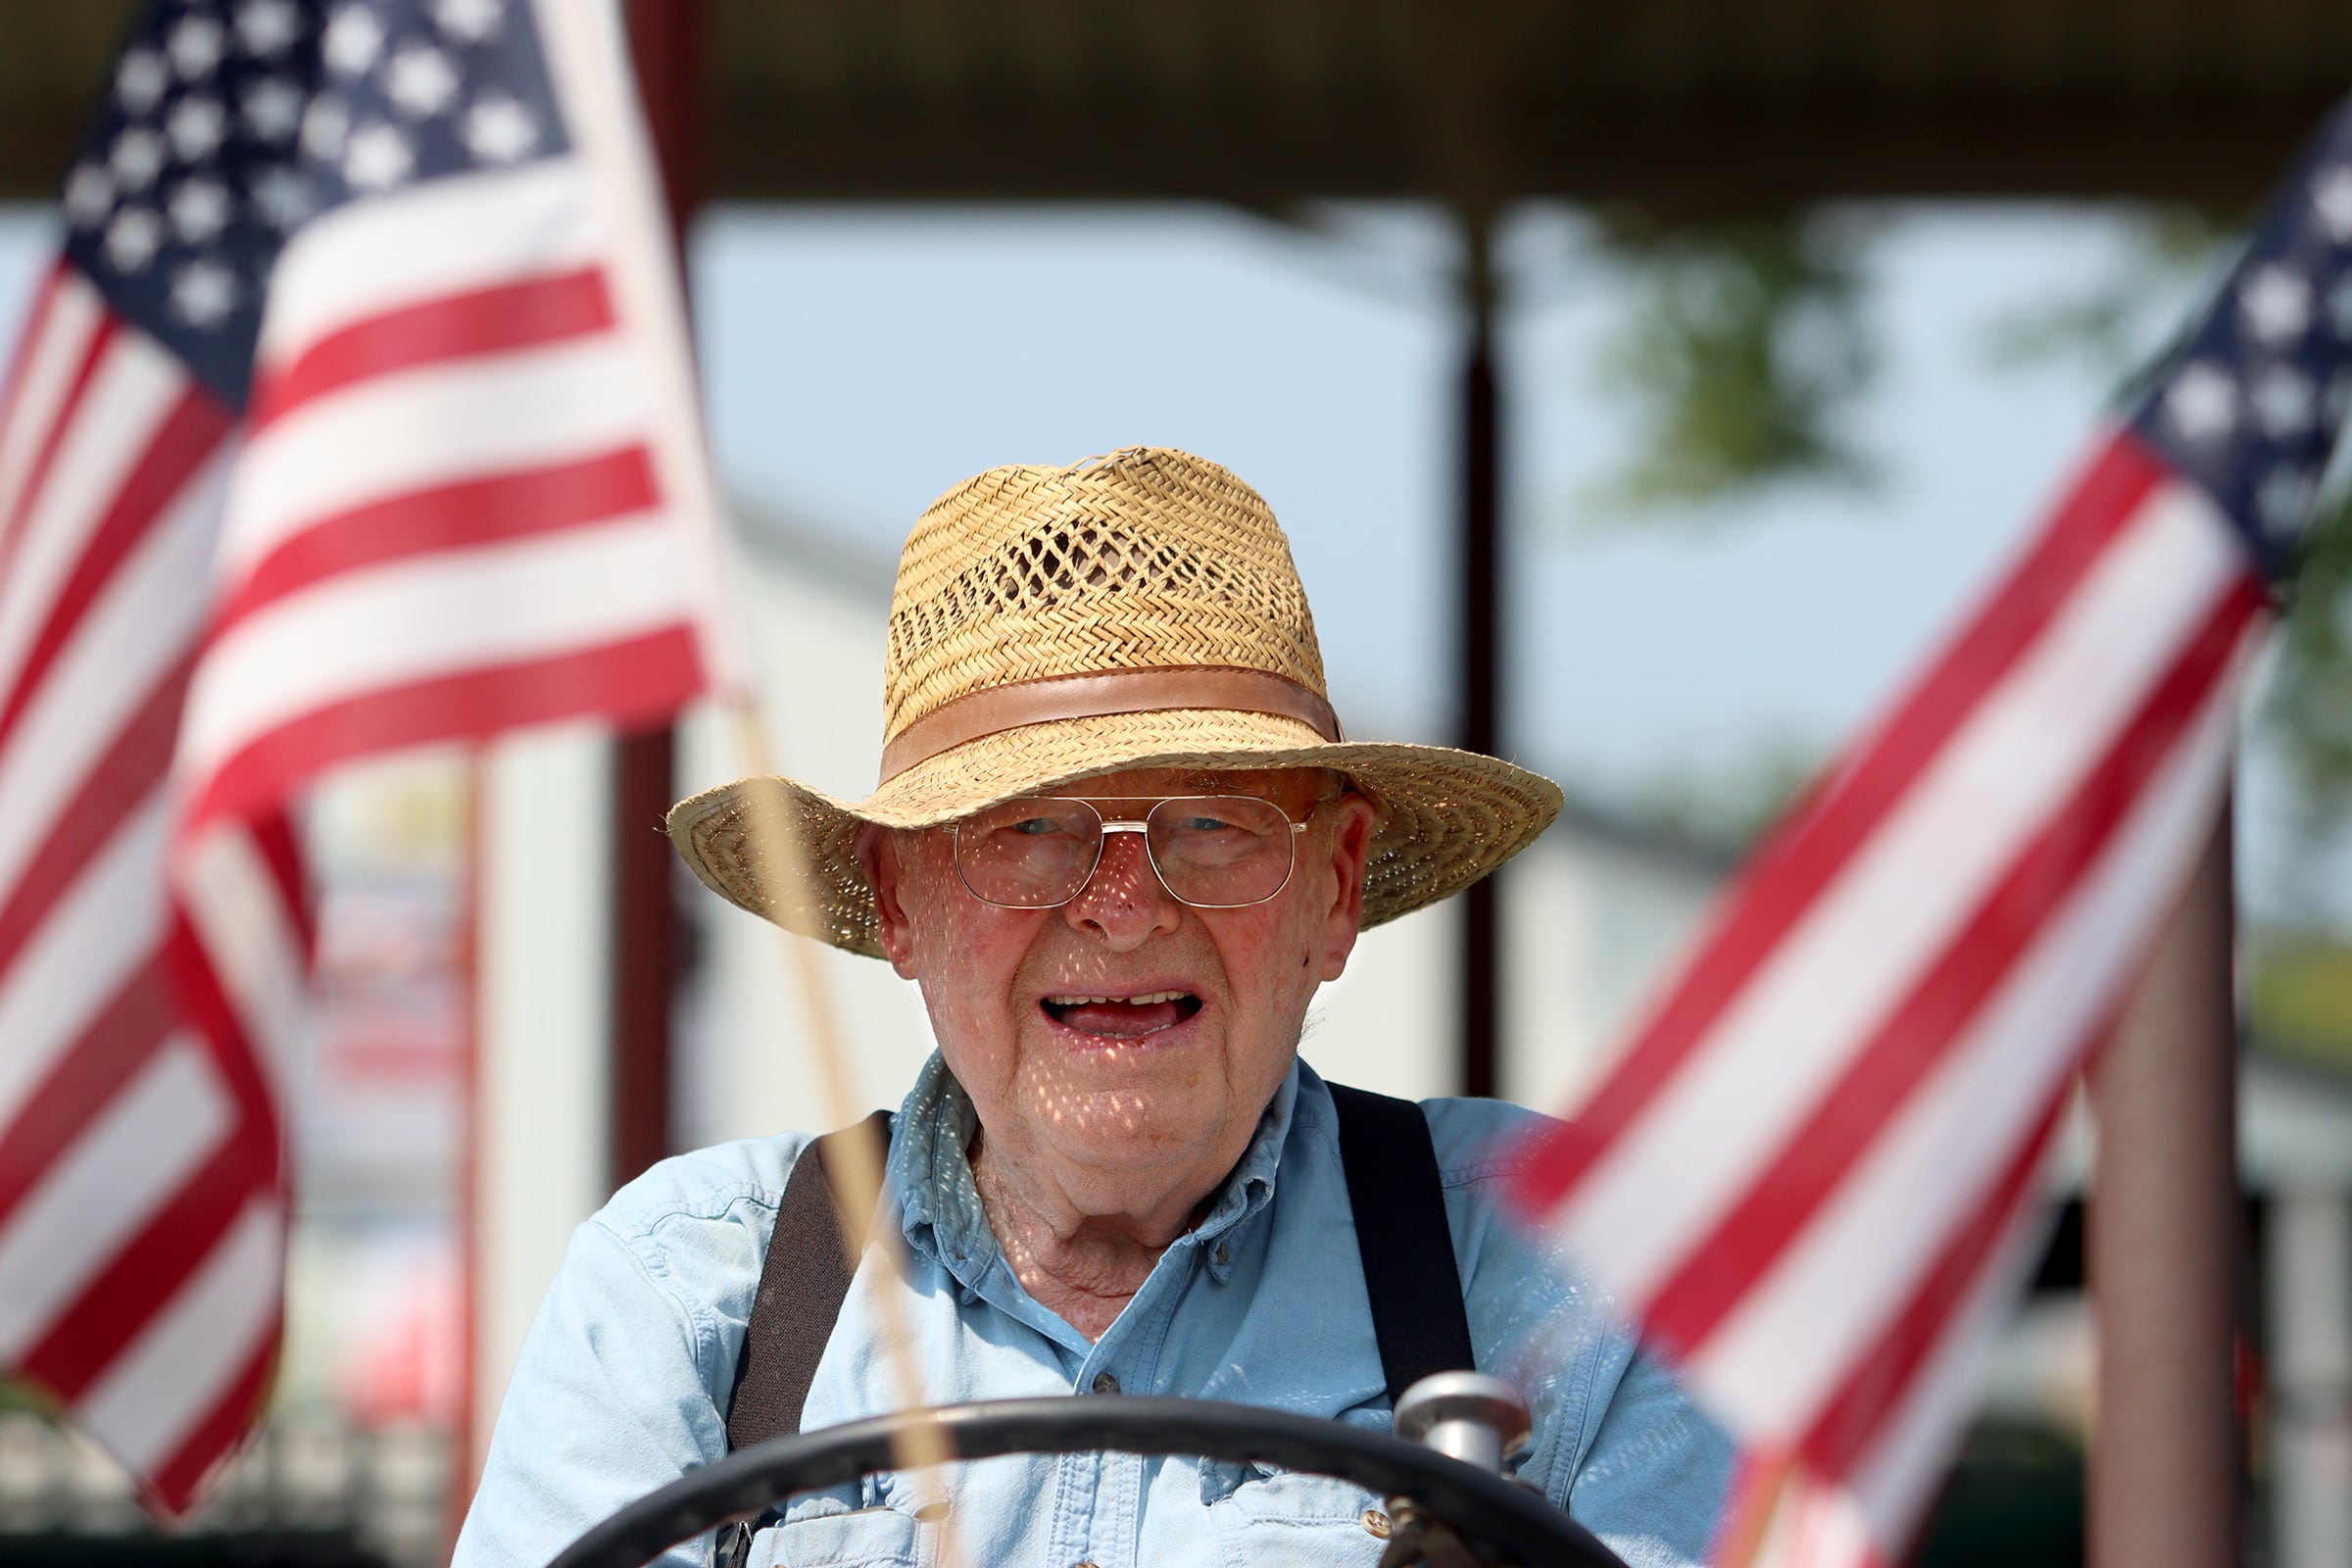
(877, 850)
(1352, 818)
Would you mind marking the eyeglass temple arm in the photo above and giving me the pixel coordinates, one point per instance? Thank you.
(1146, 827)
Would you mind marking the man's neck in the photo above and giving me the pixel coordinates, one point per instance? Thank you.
(1083, 1257)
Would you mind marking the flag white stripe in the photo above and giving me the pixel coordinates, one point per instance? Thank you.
(1894, 1479)
(1815, 1526)
(130, 636)
(96, 936)
(1843, 1279)
(251, 941)
(432, 240)
(50, 360)
(128, 1163)
(153, 1393)
(439, 614)
(134, 387)
(1736, 1102)
(455, 419)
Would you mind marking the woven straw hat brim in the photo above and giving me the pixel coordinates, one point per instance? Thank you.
(1448, 817)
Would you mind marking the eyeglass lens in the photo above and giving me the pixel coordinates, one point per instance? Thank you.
(1213, 850)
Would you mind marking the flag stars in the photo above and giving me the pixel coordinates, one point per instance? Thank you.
(2276, 305)
(2331, 203)
(500, 131)
(90, 196)
(2282, 500)
(325, 126)
(199, 210)
(282, 197)
(421, 80)
(2283, 401)
(137, 158)
(132, 238)
(272, 108)
(196, 46)
(268, 28)
(353, 39)
(378, 157)
(472, 20)
(2201, 403)
(196, 126)
(204, 293)
(141, 81)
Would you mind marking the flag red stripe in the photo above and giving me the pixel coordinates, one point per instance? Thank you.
(166, 1251)
(1878, 1379)
(214, 1436)
(472, 512)
(133, 765)
(108, 1054)
(1794, 868)
(1849, 1118)
(273, 839)
(497, 320)
(187, 439)
(37, 474)
(641, 678)
(153, 1266)
(37, 328)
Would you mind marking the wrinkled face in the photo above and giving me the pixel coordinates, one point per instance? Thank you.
(1125, 1030)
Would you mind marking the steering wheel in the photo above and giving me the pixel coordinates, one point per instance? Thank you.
(1499, 1521)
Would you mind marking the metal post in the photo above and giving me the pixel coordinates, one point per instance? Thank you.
(2308, 1278)
(667, 46)
(1480, 615)
(2165, 1467)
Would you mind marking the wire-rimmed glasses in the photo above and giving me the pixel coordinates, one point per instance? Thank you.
(1213, 851)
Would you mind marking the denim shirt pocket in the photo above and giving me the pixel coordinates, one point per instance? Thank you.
(1292, 1517)
(876, 1536)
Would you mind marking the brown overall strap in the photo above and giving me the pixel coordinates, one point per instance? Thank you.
(802, 1286)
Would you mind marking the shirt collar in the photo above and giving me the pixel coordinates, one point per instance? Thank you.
(940, 1209)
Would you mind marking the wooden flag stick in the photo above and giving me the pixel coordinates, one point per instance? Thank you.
(858, 1176)
(2164, 1215)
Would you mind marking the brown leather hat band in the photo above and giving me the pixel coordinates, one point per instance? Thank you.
(1091, 696)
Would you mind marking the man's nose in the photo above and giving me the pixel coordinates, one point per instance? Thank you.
(1124, 900)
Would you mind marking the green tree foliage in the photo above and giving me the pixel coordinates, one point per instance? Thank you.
(1747, 342)
(1745, 345)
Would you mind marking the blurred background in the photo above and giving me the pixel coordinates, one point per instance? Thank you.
(1643, 386)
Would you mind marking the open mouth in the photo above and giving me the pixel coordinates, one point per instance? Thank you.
(1122, 1018)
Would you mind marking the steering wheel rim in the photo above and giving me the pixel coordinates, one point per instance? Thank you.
(1499, 1520)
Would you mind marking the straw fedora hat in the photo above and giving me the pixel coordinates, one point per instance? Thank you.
(1138, 610)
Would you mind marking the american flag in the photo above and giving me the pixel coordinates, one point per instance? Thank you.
(355, 415)
(1813, 1173)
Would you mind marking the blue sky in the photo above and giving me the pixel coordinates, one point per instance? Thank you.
(859, 360)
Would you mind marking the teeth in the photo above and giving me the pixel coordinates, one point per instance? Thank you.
(1151, 1000)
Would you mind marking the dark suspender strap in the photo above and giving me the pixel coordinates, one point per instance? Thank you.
(1401, 1229)
(802, 1286)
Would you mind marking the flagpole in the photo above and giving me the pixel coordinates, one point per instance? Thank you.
(1479, 614)
(667, 41)
(2166, 1461)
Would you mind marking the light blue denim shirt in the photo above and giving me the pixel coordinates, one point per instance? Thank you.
(624, 1380)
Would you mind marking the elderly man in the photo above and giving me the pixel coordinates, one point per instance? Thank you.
(1118, 844)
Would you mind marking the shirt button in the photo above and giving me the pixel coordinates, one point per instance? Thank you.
(1104, 1383)
(1223, 1256)
(1376, 1524)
